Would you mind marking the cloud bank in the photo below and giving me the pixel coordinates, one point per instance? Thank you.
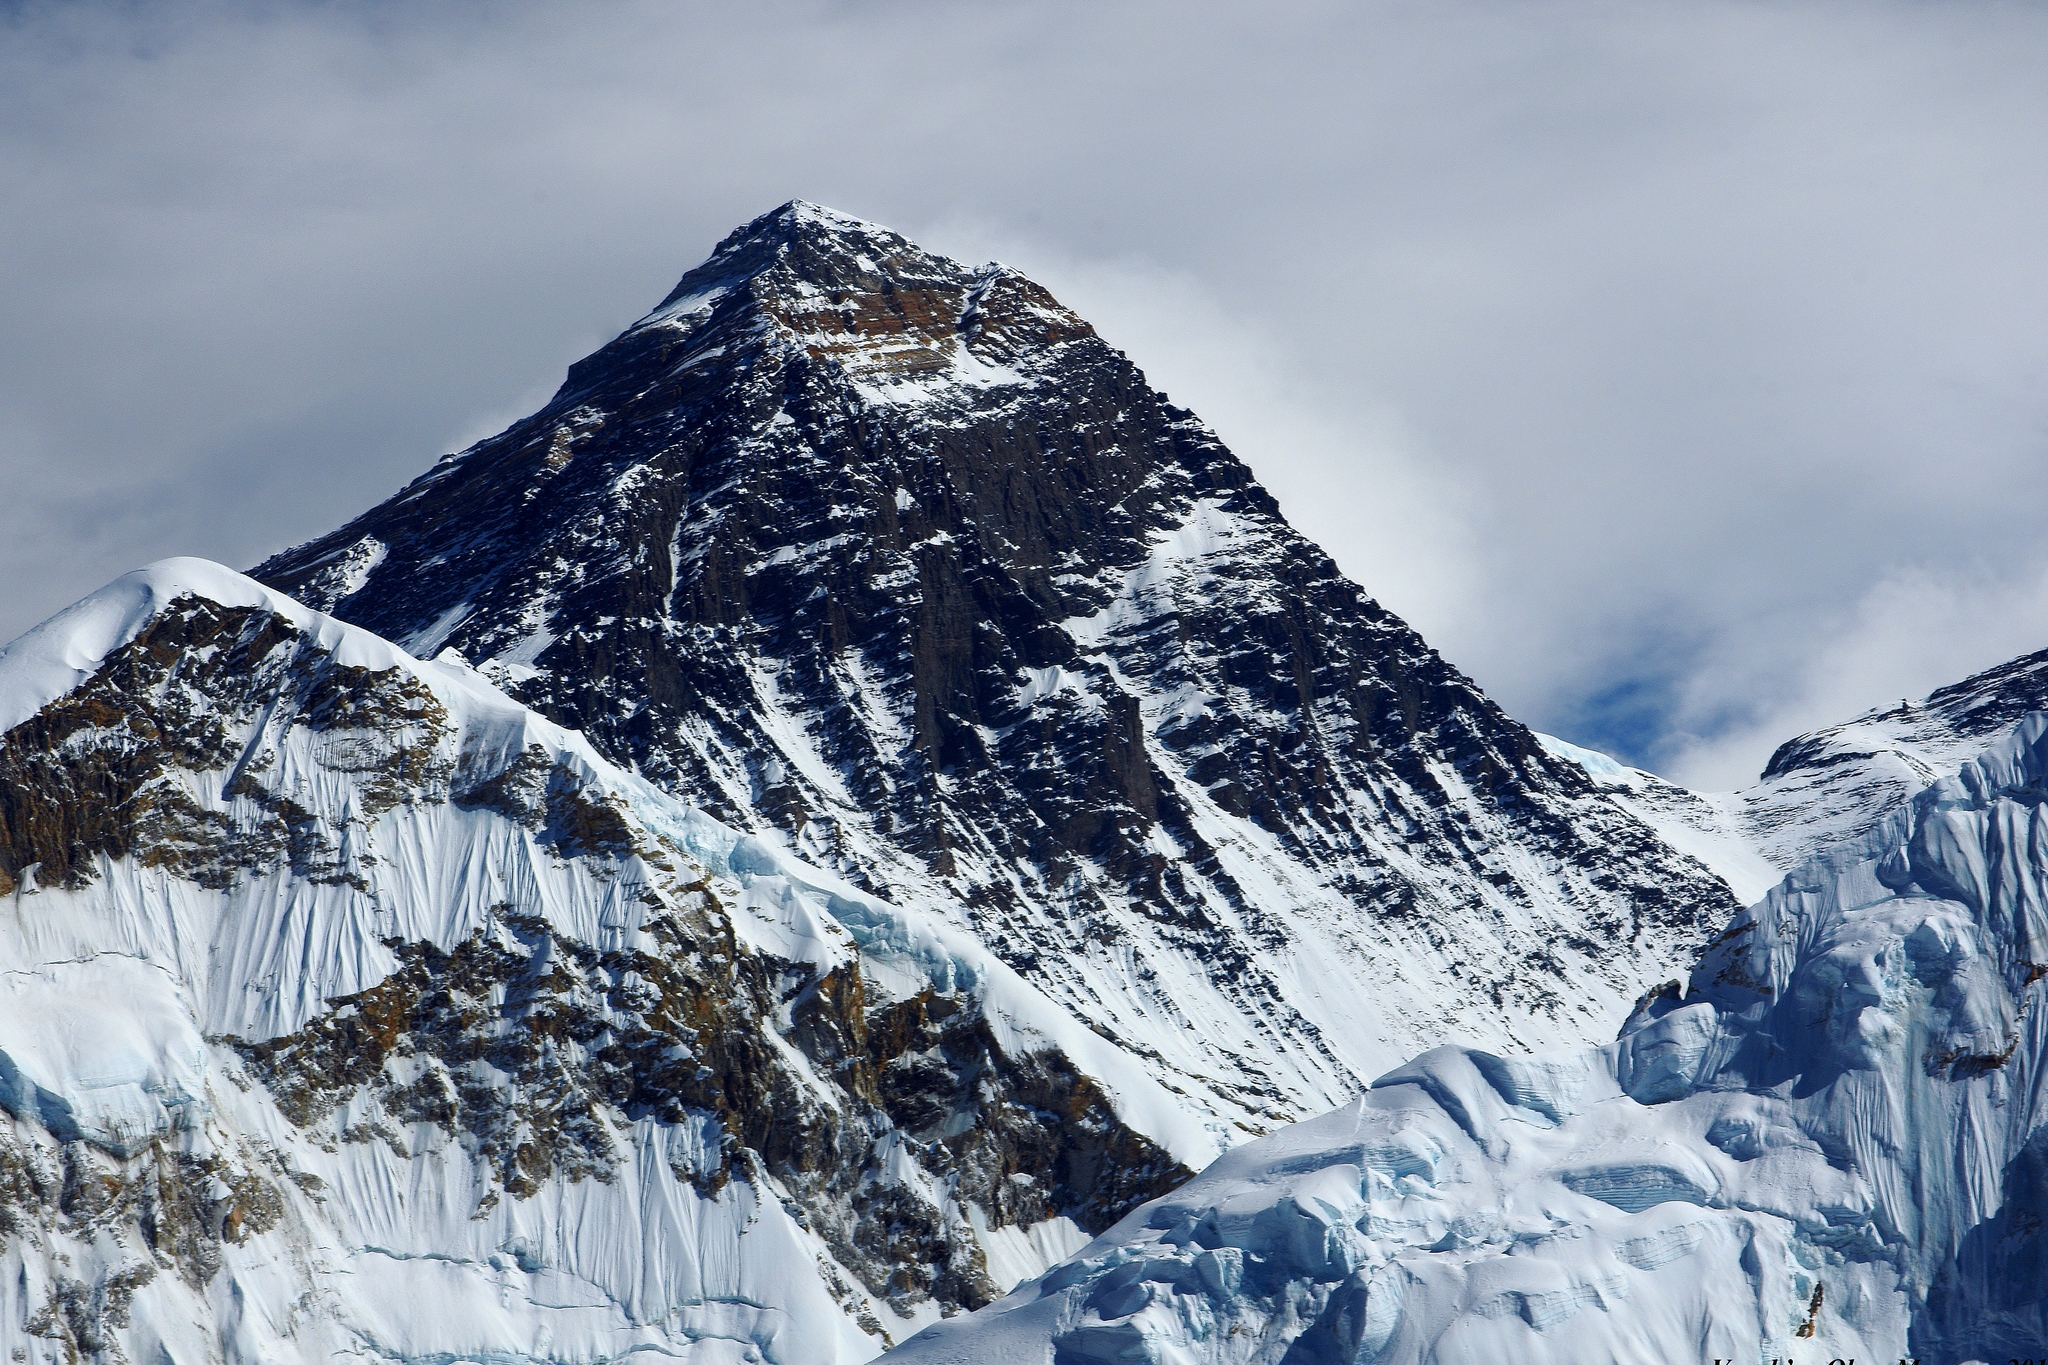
(1680, 369)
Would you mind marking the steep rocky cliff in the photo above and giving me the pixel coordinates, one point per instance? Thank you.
(895, 562)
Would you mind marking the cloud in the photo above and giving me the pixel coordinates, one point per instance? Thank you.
(1913, 631)
(1624, 347)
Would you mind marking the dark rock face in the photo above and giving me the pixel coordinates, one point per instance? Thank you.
(93, 774)
(898, 558)
(574, 1042)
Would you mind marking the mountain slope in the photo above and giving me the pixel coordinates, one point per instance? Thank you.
(349, 1008)
(894, 562)
(1830, 1145)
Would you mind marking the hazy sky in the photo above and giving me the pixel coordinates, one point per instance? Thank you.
(1681, 370)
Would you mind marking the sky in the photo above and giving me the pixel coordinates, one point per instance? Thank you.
(1679, 370)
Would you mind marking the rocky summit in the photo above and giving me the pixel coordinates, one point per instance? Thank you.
(896, 562)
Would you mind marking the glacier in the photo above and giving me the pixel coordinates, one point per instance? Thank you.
(1828, 1139)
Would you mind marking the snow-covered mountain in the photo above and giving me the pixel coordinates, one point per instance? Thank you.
(890, 795)
(1827, 788)
(1832, 1144)
(894, 563)
(349, 1009)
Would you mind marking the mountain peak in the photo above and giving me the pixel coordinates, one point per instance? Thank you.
(895, 560)
(879, 308)
(802, 216)
(808, 244)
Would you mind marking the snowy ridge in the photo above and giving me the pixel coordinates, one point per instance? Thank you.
(53, 658)
(1830, 1144)
(1828, 787)
(182, 1016)
(1825, 789)
(1708, 827)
